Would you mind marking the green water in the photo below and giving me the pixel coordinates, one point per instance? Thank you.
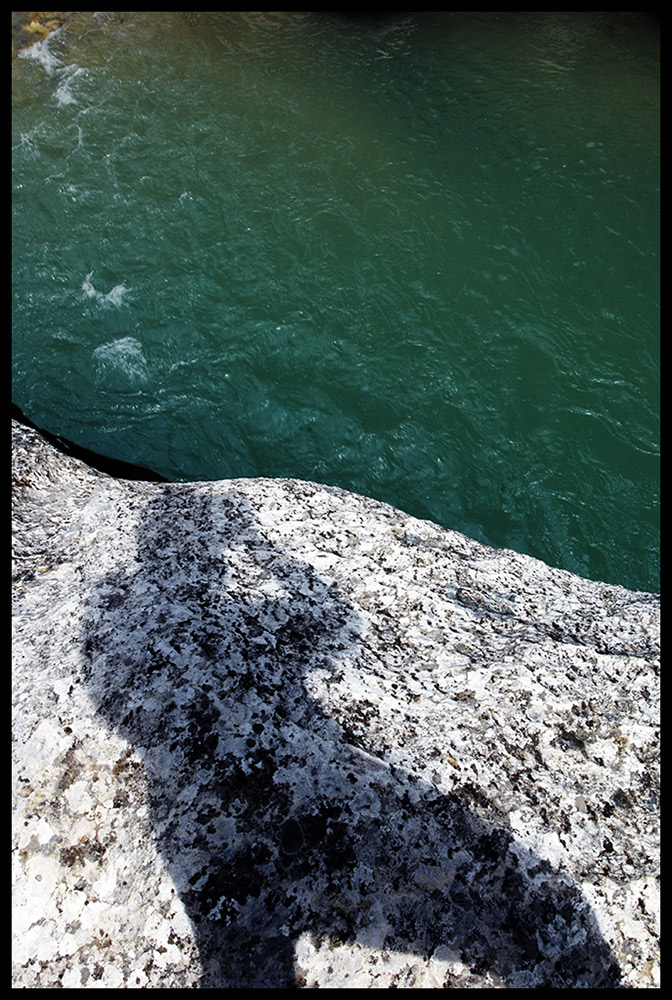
(415, 256)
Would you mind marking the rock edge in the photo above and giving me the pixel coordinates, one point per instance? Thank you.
(269, 733)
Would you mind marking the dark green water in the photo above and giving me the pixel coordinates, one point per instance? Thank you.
(415, 256)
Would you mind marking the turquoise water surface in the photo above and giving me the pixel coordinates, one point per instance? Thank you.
(415, 256)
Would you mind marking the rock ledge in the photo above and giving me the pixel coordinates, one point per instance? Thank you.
(272, 734)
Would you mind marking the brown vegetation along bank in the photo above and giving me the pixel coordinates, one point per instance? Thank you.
(30, 26)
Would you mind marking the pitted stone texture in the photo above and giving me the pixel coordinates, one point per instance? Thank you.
(269, 733)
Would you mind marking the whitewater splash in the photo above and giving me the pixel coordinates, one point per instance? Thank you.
(114, 297)
(41, 53)
(64, 94)
(121, 364)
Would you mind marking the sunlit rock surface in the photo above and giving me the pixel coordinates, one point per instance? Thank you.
(269, 734)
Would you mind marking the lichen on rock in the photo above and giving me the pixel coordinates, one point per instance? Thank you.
(268, 733)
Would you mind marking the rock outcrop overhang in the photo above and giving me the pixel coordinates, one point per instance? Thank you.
(272, 734)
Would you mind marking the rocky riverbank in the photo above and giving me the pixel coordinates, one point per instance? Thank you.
(272, 734)
(30, 26)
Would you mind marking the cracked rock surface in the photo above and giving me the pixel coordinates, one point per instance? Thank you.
(270, 734)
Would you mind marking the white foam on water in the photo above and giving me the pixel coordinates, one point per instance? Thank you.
(41, 53)
(123, 358)
(27, 140)
(64, 94)
(114, 297)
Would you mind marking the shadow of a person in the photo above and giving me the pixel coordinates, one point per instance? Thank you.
(270, 823)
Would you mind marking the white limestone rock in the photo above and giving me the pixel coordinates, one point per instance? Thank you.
(269, 733)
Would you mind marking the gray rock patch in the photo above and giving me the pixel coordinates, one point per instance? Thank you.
(272, 734)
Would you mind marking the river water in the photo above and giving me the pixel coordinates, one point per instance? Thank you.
(414, 256)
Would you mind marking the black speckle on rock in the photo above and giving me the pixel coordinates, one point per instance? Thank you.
(238, 877)
(71, 769)
(292, 839)
(86, 850)
(622, 799)
(570, 739)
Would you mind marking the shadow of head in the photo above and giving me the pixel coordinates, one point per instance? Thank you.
(272, 826)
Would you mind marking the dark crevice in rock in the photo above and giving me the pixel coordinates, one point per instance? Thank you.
(110, 466)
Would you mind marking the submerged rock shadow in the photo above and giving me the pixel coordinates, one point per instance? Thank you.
(272, 825)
